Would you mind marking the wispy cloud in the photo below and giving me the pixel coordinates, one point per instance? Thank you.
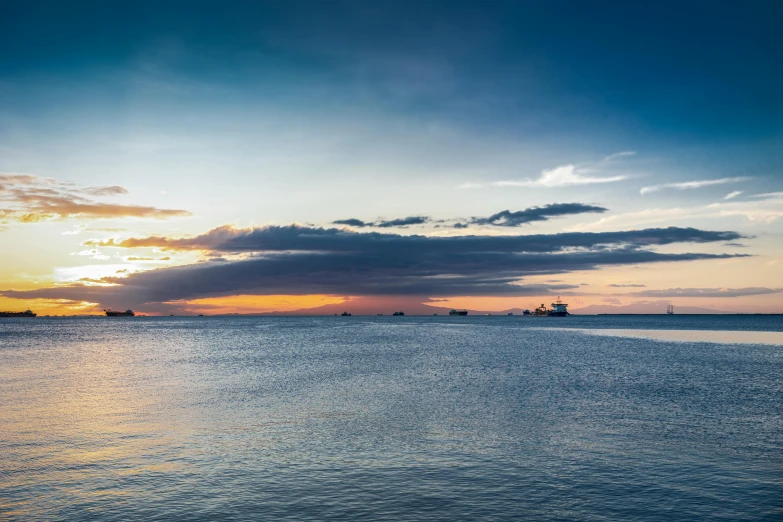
(114, 190)
(769, 195)
(686, 185)
(565, 175)
(31, 199)
(562, 176)
(766, 209)
(618, 155)
(470, 185)
(732, 195)
(707, 292)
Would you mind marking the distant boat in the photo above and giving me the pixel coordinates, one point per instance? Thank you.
(201, 315)
(345, 314)
(114, 313)
(458, 312)
(511, 313)
(26, 313)
(398, 313)
(526, 312)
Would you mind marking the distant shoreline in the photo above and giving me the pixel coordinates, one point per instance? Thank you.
(390, 315)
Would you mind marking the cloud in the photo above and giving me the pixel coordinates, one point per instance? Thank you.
(707, 292)
(351, 222)
(506, 218)
(626, 286)
(618, 155)
(8, 178)
(114, 190)
(299, 260)
(563, 176)
(560, 177)
(311, 239)
(31, 199)
(686, 185)
(769, 195)
(732, 195)
(401, 222)
(762, 208)
(470, 185)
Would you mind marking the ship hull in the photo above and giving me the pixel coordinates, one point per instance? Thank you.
(16, 314)
(558, 314)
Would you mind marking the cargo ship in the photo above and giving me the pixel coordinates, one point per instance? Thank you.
(559, 309)
(26, 313)
(398, 313)
(458, 312)
(114, 313)
(345, 314)
(541, 311)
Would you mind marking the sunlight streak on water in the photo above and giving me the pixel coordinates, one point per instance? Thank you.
(694, 336)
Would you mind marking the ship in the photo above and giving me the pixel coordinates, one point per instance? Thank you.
(458, 312)
(559, 309)
(114, 313)
(541, 311)
(398, 313)
(526, 312)
(26, 313)
(345, 314)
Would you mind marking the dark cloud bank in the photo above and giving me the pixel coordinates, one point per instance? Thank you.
(307, 260)
(402, 222)
(505, 218)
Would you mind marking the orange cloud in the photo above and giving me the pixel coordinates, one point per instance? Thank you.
(205, 241)
(30, 199)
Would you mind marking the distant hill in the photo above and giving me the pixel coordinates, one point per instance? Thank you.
(643, 308)
(385, 306)
(419, 306)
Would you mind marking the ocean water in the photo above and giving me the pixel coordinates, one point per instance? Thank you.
(392, 418)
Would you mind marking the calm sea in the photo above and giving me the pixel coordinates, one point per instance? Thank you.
(392, 418)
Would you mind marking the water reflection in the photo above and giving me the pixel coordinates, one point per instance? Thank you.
(694, 336)
(314, 418)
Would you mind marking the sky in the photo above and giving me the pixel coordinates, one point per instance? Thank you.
(310, 157)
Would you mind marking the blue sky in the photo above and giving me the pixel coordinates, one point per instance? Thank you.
(253, 113)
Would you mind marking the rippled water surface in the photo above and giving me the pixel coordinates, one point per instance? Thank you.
(389, 418)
